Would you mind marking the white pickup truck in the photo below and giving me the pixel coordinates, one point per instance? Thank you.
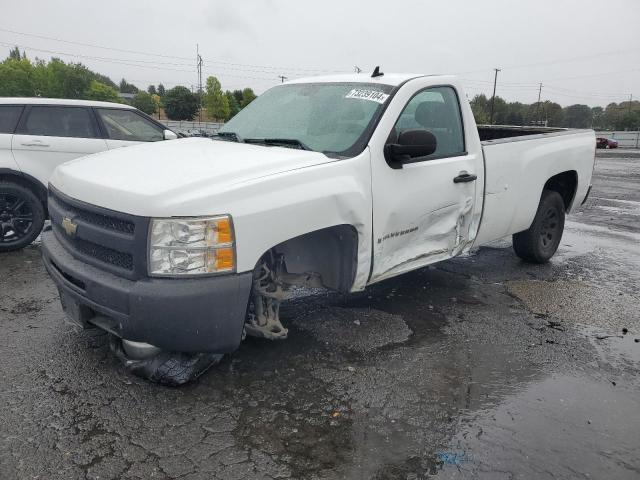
(179, 249)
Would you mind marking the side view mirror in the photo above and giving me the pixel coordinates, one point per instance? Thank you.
(169, 135)
(410, 144)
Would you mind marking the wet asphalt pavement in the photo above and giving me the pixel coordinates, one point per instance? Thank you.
(479, 367)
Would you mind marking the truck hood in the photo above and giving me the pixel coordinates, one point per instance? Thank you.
(160, 177)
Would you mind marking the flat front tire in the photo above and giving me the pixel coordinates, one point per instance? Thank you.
(21, 216)
(540, 242)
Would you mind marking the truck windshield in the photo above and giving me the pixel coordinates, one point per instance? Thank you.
(333, 118)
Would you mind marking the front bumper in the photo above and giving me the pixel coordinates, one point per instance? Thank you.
(185, 315)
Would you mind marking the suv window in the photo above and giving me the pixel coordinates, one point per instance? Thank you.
(128, 125)
(9, 115)
(437, 110)
(60, 122)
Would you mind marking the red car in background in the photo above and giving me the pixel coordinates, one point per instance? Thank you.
(602, 142)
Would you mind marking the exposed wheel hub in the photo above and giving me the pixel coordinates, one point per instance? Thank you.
(267, 293)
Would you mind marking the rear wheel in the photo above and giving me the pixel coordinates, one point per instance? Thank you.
(21, 216)
(540, 242)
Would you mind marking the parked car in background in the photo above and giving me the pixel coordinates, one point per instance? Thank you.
(603, 142)
(38, 134)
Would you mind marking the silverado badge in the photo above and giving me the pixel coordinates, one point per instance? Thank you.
(69, 226)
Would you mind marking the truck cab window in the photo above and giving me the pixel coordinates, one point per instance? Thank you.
(60, 122)
(438, 111)
(129, 126)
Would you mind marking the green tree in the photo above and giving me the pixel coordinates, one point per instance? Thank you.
(247, 97)
(151, 89)
(102, 92)
(145, 103)
(126, 87)
(480, 109)
(180, 104)
(17, 78)
(238, 96)
(553, 114)
(234, 107)
(161, 90)
(106, 80)
(597, 115)
(15, 54)
(577, 116)
(215, 100)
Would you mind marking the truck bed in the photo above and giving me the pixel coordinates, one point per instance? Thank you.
(518, 162)
(499, 132)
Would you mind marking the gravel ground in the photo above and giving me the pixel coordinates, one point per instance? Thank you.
(479, 367)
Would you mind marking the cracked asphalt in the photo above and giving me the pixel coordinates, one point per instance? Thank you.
(479, 367)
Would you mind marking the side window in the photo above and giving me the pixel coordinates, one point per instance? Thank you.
(437, 110)
(9, 115)
(128, 125)
(60, 122)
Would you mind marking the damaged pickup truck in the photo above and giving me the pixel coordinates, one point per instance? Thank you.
(180, 249)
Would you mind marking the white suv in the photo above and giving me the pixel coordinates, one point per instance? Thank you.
(38, 134)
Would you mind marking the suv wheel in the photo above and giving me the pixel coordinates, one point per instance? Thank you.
(21, 216)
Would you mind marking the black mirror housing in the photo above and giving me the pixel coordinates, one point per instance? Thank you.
(410, 144)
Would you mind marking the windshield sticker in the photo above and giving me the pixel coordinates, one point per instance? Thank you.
(363, 94)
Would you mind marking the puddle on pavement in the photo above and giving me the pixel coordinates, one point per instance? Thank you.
(614, 346)
(578, 302)
(559, 427)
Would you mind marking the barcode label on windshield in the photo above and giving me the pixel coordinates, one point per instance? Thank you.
(364, 94)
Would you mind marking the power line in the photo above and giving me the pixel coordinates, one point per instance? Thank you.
(573, 59)
(139, 52)
(128, 63)
(43, 37)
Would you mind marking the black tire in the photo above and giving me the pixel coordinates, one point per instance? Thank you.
(21, 216)
(167, 368)
(540, 242)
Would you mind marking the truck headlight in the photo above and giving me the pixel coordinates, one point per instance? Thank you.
(191, 246)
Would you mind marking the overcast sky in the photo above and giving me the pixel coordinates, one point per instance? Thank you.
(582, 51)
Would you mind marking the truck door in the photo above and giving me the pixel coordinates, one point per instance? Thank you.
(425, 211)
(49, 135)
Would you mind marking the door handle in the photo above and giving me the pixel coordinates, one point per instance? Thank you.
(465, 177)
(35, 143)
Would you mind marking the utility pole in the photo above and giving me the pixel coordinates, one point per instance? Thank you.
(538, 104)
(493, 97)
(630, 100)
(199, 62)
(282, 78)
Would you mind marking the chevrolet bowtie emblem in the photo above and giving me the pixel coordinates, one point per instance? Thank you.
(69, 226)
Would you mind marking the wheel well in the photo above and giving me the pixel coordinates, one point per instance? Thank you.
(566, 184)
(28, 182)
(330, 252)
